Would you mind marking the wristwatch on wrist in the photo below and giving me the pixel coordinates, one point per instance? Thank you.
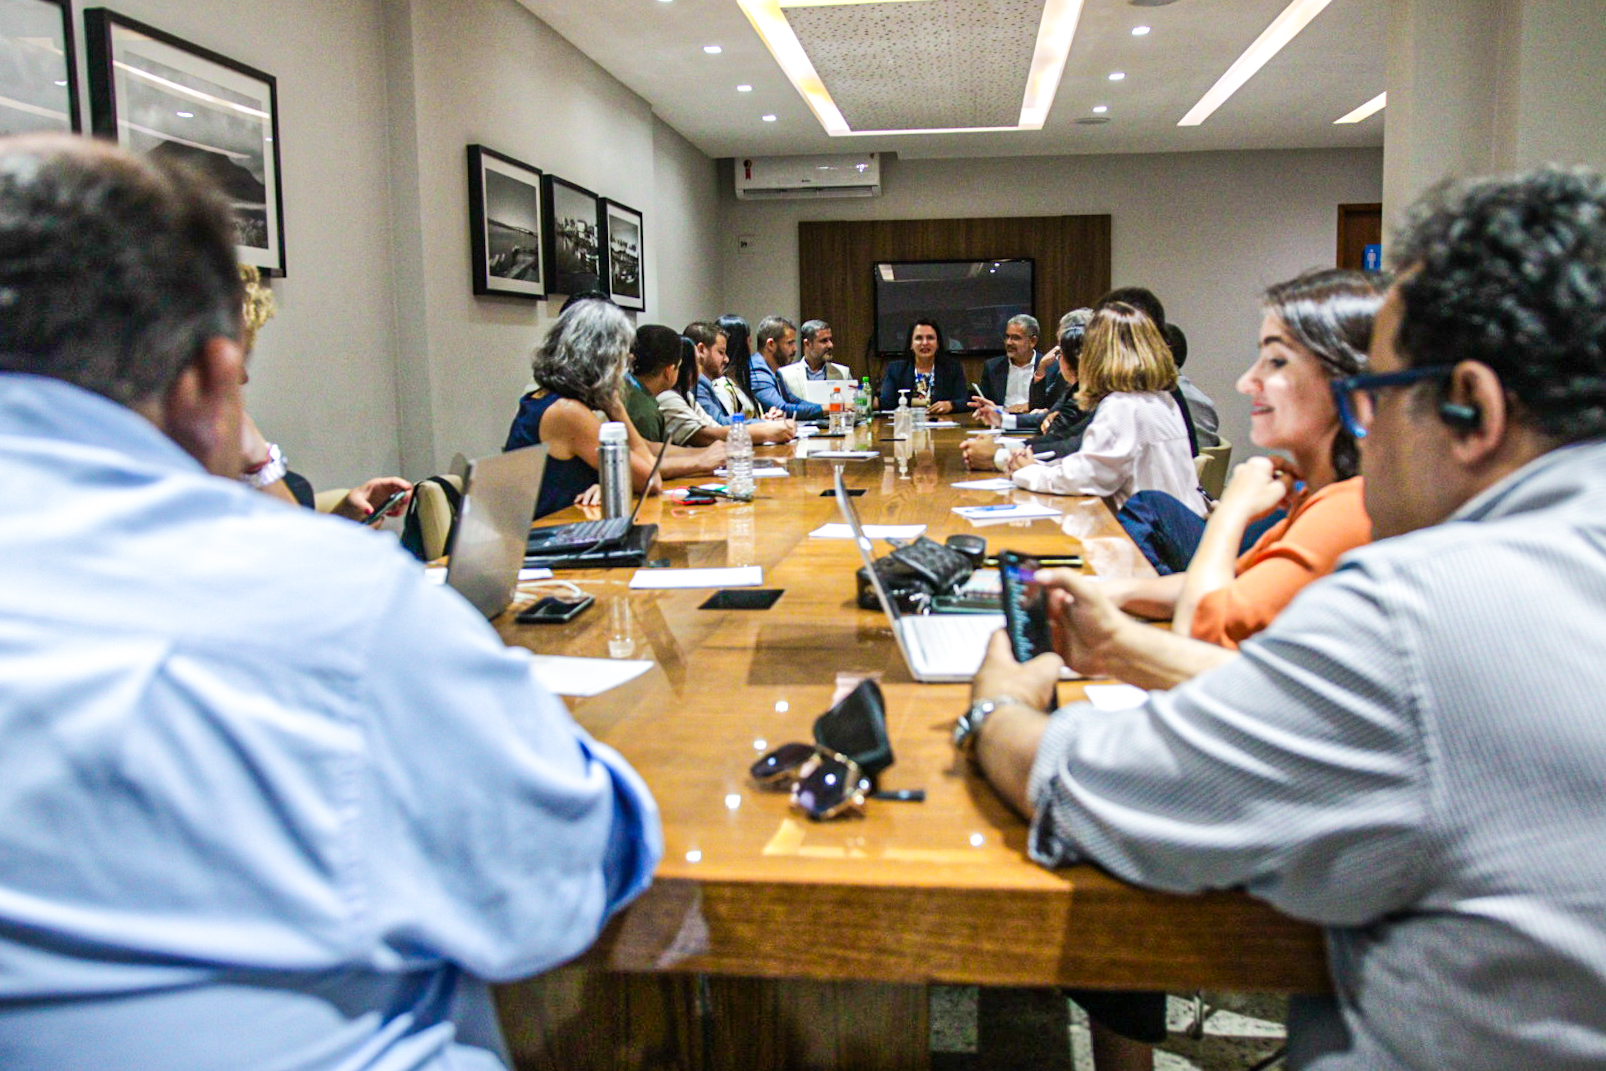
(968, 727)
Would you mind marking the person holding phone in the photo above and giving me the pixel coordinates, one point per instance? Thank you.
(265, 467)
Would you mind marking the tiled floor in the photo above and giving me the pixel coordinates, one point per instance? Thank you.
(1039, 1030)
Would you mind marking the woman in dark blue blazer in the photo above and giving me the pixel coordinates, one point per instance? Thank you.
(925, 363)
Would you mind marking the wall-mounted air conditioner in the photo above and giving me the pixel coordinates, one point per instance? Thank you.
(783, 177)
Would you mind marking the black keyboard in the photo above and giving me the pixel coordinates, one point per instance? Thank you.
(577, 536)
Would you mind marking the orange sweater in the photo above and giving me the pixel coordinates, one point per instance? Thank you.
(1300, 548)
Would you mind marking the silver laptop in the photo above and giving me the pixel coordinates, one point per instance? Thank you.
(499, 494)
(938, 648)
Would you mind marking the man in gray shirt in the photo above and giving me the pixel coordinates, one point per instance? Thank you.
(1414, 754)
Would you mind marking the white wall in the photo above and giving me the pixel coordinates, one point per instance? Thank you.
(322, 379)
(1205, 231)
(381, 359)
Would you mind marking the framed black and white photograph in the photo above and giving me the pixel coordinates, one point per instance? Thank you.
(573, 230)
(504, 212)
(38, 72)
(622, 241)
(161, 96)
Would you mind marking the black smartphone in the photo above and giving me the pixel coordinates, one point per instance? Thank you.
(1025, 614)
(383, 508)
(697, 500)
(551, 610)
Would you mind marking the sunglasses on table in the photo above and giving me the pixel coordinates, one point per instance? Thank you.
(825, 784)
(1356, 396)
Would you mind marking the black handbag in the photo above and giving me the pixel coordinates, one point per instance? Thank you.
(915, 574)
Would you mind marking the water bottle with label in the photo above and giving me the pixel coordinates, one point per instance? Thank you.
(613, 469)
(864, 403)
(836, 413)
(739, 459)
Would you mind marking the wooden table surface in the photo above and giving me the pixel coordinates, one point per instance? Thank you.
(909, 893)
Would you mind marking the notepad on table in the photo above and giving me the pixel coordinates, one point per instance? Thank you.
(873, 531)
(737, 576)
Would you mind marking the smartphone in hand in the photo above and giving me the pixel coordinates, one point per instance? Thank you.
(385, 507)
(1025, 610)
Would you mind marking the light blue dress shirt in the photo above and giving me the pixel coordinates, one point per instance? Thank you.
(270, 800)
(1413, 755)
(771, 393)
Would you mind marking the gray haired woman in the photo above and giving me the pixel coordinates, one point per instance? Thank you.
(578, 369)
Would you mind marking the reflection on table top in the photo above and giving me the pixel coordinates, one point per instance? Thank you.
(938, 890)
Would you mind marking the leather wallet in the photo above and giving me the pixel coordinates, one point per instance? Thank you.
(857, 728)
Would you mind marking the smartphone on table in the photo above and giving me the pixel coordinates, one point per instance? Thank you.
(1025, 609)
(551, 610)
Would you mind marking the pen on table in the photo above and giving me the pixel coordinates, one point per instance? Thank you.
(991, 509)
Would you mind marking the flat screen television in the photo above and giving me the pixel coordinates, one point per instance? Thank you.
(971, 300)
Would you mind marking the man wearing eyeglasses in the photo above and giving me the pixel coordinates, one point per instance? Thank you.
(1413, 755)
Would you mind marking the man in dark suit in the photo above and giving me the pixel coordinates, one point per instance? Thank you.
(1006, 380)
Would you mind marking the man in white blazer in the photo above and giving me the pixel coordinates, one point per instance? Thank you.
(816, 362)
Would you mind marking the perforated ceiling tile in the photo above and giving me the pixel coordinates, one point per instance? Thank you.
(905, 66)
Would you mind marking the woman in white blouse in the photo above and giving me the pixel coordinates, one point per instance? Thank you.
(1136, 440)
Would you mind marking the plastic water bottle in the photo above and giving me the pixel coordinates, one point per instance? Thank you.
(836, 412)
(903, 418)
(863, 403)
(739, 459)
(613, 469)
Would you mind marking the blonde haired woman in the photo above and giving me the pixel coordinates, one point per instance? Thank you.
(1136, 440)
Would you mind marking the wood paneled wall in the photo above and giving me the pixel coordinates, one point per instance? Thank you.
(1072, 255)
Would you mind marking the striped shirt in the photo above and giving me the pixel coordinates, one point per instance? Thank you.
(1413, 756)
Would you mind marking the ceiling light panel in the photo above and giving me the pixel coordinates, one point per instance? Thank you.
(1283, 29)
(991, 65)
(1365, 111)
(892, 66)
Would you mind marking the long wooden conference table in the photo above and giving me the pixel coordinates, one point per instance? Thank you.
(768, 940)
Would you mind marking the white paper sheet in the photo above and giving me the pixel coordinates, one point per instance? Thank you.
(1115, 696)
(846, 455)
(758, 473)
(936, 423)
(581, 677)
(534, 574)
(874, 531)
(998, 483)
(437, 575)
(739, 576)
(1015, 511)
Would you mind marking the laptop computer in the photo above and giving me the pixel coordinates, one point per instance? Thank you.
(937, 648)
(488, 547)
(613, 541)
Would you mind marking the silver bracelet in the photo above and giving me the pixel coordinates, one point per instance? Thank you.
(272, 471)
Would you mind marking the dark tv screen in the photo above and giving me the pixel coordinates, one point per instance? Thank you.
(971, 300)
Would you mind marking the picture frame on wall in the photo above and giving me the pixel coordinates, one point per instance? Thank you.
(158, 95)
(624, 247)
(38, 68)
(505, 212)
(573, 236)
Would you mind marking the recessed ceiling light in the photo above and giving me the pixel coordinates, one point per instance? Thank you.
(61, 83)
(712, 50)
(1140, 31)
(1365, 111)
(1116, 76)
(1283, 29)
(744, 88)
(185, 115)
(1100, 109)
(769, 118)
